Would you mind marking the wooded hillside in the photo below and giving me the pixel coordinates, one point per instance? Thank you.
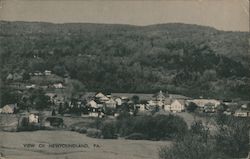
(178, 58)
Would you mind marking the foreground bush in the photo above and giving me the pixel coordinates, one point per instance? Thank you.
(95, 133)
(230, 141)
(81, 130)
(232, 137)
(190, 147)
(109, 130)
(153, 127)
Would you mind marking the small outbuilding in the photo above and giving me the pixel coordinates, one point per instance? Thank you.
(242, 113)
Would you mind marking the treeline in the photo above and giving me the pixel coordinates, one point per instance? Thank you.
(231, 140)
(186, 59)
(146, 127)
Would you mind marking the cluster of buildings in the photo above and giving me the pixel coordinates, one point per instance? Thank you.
(139, 102)
(98, 104)
(39, 73)
(15, 80)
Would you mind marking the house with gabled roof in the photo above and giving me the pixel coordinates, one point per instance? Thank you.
(9, 77)
(9, 109)
(118, 101)
(141, 107)
(58, 85)
(177, 106)
(33, 117)
(92, 104)
(100, 95)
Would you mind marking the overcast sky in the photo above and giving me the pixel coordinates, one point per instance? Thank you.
(221, 14)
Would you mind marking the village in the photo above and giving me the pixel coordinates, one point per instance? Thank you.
(101, 105)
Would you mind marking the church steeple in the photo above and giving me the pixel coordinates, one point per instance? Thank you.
(160, 96)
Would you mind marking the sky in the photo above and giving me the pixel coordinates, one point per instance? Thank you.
(229, 15)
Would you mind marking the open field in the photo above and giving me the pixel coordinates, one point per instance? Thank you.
(11, 145)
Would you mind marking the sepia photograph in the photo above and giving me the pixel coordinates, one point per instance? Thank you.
(124, 79)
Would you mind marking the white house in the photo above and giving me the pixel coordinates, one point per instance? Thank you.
(245, 106)
(242, 113)
(151, 103)
(9, 109)
(37, 73)
(58, 85)
(93, 114)
(141, 107)
(33, 118)
(104, 99)
(92, 104)
(209, 108)
(30, 86)
(47, 73)
(118, 101)
(96, 114)
(167, 107)
(177, 106)
(116, 114)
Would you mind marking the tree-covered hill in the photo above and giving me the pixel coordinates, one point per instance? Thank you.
(188, 59)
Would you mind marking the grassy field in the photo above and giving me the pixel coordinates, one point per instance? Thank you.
(11, 145)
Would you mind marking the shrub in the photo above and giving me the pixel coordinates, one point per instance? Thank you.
(95, 133)
(189, 148)
(96, 124)
(191, 107)
(232, 137)
(83, 130)
(75, 128)
(109, 130)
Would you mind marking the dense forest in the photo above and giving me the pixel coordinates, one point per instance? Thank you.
(178, 58)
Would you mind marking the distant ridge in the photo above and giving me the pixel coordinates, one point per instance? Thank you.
(179, 58)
